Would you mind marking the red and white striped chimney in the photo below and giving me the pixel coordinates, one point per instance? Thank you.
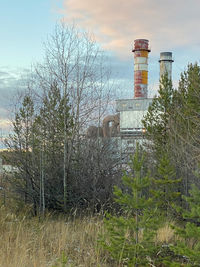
(141, 51)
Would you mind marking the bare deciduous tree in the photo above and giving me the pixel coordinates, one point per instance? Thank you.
(74, 73)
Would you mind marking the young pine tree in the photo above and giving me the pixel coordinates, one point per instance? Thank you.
(21, 143)
(130, 238)
(54, 124)
(166, 186)
(187, 247)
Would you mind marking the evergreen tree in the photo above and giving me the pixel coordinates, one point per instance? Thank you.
(157, 120)
(130, 238)
(21, 144)
(37, 143)
(185, 125)
(187, 247)
(166, 186)
(51, 132)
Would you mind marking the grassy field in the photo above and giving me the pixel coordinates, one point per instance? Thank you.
(51, 242)
(54, 241)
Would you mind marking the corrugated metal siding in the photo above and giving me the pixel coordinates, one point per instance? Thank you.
(131, 120)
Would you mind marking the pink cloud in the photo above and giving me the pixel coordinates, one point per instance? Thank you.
(5, 125)
(168, 24)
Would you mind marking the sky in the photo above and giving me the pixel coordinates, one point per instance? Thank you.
(24, 28)
(169, 25)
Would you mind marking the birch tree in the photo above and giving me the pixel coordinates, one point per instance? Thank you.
(71, 89)
(74, 60)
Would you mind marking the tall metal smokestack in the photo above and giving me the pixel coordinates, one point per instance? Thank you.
(166, 64)
(141, 50)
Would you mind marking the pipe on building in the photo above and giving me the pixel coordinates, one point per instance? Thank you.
(110, 128)
(113, 130)
(166, 64)
(141, 51)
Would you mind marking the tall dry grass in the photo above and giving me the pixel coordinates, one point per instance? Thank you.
(32, 243)
(56, 241)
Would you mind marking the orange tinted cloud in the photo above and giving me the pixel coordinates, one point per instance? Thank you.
(168, 24)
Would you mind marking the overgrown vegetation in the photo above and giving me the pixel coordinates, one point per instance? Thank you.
(55, 240)
(52, 241)
(57, 166)
(168, 194)
(130, 237)
(60, 169)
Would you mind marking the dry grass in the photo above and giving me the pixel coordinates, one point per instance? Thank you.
(165, 234)
(30, 243)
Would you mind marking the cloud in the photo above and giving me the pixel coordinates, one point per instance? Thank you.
(12, 81)
(168, 25)
(4, 74)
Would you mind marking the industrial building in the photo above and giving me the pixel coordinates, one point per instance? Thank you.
(132, 111)
(126, 125)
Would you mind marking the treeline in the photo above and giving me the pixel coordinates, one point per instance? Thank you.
(58, 167)
(149, 204)
(162, 186)
(172, 126)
